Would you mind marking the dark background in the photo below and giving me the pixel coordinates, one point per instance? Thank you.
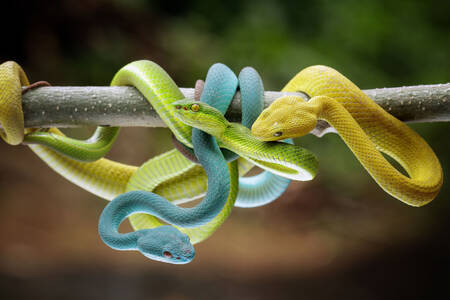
(339, 236)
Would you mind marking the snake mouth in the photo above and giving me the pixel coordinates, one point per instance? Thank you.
(264, 135)
(263, 138)
(261, 133)
(183, 118)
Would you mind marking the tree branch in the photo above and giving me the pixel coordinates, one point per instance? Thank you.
(125, 106)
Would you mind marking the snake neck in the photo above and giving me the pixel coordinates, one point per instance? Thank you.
(283, 159)
(152, 243)
(109, 223)
(215, 127)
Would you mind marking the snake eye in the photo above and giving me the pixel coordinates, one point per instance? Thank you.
(167, 254)
(195, 107)
(277, 134)
(178, 107)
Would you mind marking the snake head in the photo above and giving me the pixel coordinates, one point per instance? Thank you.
(286, 117)
(199, 115)
(166, 244)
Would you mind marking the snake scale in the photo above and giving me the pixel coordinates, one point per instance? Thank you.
(109, 179)
(219, 90)
(363, 125)
(155, 243)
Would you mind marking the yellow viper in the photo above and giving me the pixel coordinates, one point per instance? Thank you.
(364, 126)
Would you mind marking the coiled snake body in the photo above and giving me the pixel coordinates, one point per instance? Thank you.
(363, 125)
(107, 178)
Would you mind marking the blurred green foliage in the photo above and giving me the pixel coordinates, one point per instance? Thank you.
(374, 43)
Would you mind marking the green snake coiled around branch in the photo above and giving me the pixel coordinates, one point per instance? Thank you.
(107, 178)
(364, 126)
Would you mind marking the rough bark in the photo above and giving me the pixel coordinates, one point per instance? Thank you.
(125, 106)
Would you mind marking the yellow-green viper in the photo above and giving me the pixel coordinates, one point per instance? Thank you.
(109, 179)
(363, 125)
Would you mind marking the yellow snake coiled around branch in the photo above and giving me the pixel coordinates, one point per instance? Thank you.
(364, 126)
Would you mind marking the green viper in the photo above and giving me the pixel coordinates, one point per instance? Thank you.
(108, 179)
